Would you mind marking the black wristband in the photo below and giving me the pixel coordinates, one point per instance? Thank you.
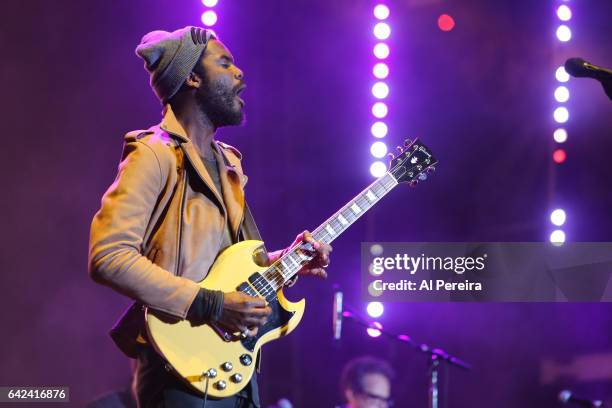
(207, 306)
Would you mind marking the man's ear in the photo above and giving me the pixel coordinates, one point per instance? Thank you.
(193, 80)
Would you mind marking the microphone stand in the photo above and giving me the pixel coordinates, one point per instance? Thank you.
(436, 355)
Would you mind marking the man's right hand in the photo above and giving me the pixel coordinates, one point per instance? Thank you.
(243, 313)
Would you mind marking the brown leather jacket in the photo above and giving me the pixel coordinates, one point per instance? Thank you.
(161, 222)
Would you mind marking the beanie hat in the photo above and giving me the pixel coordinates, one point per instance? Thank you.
(170, 57)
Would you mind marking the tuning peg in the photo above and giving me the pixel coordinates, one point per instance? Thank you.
(413, 183)
(431, 169)
(400, 149)
(422, 177)
(407, 142)
(391, 156)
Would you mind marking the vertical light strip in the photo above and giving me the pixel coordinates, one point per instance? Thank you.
(380, 88)
(561, 112)
(380, 111)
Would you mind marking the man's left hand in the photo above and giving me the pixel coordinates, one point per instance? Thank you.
(320, 260)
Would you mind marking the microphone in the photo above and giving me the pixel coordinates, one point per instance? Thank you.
(337, 316)
(579, 68)
(567, 397)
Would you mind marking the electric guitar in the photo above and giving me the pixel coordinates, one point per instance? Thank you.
(219, 364)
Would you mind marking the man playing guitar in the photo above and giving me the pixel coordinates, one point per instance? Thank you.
(176, 203)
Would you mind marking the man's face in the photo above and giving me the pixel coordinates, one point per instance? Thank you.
(218, 96)
(376, 392)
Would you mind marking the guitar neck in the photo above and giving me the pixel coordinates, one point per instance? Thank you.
(294, 259)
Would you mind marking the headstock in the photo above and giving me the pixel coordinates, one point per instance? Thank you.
(412, 163)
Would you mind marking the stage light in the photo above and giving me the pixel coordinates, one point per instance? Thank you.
(557, 217)
(375, 309)
(564, 13)
(210, 3)
(561, 114)
(381, 51)
(446, 22)
(379, 129)
(380, 110)
(561, 74)
(209, 18)
(557, 237)
(380, 90)
(564, 33)
(560, 135)
(559, 156)
(381, 12)
(378, 169)
(376, 250)
(562, 94)
(375, 330)
(380, 70)
(382, 31)
(378, 149)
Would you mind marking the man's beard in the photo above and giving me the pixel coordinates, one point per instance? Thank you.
(218, 103)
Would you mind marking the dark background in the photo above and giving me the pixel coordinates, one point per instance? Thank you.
(480, 96)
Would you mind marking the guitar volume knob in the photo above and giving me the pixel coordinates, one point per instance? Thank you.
(227, 366)
(221, 385)
(236, 378)
(246, 360)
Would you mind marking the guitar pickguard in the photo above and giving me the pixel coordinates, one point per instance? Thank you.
(278, 318)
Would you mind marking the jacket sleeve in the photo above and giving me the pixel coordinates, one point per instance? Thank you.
(117, 232)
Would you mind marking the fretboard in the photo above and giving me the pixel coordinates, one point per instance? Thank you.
(283, 269)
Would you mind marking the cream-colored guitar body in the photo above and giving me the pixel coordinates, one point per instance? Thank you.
(194, 350)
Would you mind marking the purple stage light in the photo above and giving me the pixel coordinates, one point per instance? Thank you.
(378, 149)
(561, 114)
(564, 33)
(375, 330)
(375, 309)
(380, 90)
(557, 237)
(560, 135)
(378, 169)
(557, 217)
(210, 3)
(562, 94)
(379, 129)
(380, 110)
(561, 74)
(209, 18)
(380, 70)
(381, 12)
(382, 31)
(381, 51)
(564, 13)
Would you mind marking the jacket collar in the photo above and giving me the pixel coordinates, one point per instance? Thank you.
(171, 124)
(231, 199)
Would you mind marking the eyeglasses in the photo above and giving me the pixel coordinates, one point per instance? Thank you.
(386, 402)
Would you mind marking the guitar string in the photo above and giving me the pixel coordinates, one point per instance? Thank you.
(387, 183)
(280, 277)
